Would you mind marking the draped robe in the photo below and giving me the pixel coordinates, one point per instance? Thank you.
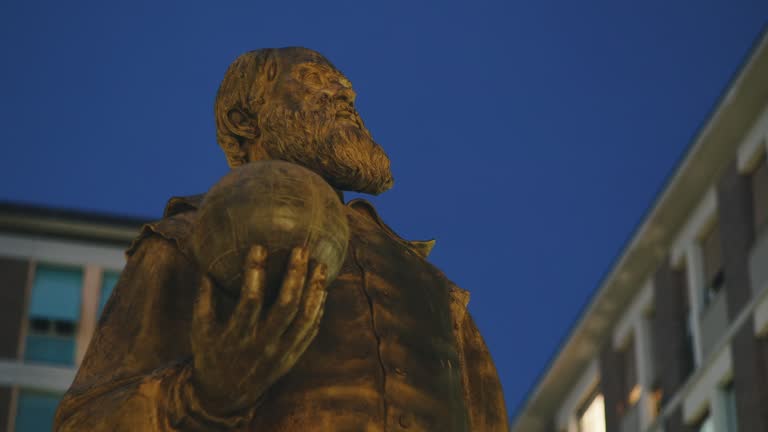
(396, 348)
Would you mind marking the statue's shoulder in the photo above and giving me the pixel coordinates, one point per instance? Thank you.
(175, 226)
(459, 296)
(420, 247)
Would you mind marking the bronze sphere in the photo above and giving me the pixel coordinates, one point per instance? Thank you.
(278, 205)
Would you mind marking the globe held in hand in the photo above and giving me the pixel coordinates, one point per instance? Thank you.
(278, 205)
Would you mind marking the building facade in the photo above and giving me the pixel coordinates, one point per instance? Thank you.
(57, 270)
(676, 337)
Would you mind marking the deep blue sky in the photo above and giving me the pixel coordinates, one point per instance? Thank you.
(529, 138)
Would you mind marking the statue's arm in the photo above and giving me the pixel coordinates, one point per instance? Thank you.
(482, 387)
(135, 374)
(162, 401)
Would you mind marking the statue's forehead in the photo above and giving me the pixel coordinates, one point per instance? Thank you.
(324, 67)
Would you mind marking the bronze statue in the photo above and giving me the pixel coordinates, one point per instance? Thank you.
(388, 345)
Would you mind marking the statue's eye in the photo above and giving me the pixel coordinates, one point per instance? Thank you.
(313, 79)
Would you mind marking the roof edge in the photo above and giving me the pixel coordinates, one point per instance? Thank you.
(758, 52)
(33, 219)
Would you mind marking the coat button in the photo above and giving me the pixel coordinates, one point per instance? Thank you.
(405, 420)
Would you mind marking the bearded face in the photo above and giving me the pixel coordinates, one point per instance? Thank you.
(343, 153)
(311, 121)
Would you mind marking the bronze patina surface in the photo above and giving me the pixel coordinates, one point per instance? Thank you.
(300, 208)
(388, 345)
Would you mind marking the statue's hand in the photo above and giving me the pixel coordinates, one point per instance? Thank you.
(235, 363)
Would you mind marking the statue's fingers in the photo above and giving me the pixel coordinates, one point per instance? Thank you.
(291, 351)
(282, 313)
(310, 308)
(245, 318)
(293, 283)
(300, 345)
(204, 316)
(282, 355)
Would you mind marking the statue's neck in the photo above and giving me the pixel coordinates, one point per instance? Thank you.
(340, 193)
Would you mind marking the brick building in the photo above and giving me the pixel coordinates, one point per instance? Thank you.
(676, 337)
(57, 269)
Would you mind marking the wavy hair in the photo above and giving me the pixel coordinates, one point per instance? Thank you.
(242, 87)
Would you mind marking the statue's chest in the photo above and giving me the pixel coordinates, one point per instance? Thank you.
(395, 304)
(386, 354)
(408, 298)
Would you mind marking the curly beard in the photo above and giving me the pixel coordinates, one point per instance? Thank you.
(341, 150)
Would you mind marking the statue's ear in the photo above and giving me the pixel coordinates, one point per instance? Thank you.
(242, 123)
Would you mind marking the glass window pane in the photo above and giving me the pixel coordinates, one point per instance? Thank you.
(711, 250)
(593, 418)
(730, 408)
(56, 293)
(713, 266)
(706, 426)
(50, 349)
(35, 411)
(108, 282)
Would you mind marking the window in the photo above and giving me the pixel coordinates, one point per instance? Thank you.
(108, 281)
(704, 424)
(731, 416)
(632, 388)
(760, 196)
(653, 389)
(54, 312)
(656, 398)
(35, 411)
(592, 415)
(688, 359)
(714, 277)
(688, 362)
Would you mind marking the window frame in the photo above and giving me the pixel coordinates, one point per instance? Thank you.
(55, 329)
(758, 175)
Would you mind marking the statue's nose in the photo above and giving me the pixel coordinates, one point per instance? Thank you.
(345, 94)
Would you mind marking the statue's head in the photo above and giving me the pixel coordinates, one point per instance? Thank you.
(292, 104)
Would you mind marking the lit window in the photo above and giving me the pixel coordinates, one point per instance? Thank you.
(714, 277)
(35, 411)
(631, 386)
(108, 281)
(54, 312)
(592, 418)
(657, 396)
(760, 196)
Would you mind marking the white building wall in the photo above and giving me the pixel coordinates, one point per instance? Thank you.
(94, 259)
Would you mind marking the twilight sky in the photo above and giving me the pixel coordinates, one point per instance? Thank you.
(528, 138)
